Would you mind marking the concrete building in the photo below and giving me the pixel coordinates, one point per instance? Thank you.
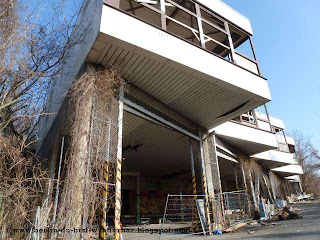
(272, 171)
(193, 80)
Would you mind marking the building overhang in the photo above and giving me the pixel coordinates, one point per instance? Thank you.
(294, 178)
(247, 139)
(287, 171)
(201, 86)
(275, 158)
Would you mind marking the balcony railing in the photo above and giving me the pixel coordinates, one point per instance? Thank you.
(196, 24)
(255, 118)
(295, 159)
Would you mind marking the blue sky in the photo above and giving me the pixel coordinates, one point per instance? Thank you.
(286, 38)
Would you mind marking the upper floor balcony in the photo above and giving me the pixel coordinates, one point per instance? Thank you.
(275, 158)
(256, 132)
(290, 170)
(251, 132)
(294, 178)
(248, 139)
(189, 55)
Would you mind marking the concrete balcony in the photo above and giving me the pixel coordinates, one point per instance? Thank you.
(194, 79)
(247, 138)
(290, 141)
(294, 178)
(275, 122)
(287, 171)
(197, 82)
(275, 158)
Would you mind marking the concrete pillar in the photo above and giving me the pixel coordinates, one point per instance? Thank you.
(257, 186)
(80, 159)
(245, 185)
(252, 190)
(213, 176)
(248, 184)
(272, 183)
(206, 189)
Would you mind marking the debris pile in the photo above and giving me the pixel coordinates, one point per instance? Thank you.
(286, 214)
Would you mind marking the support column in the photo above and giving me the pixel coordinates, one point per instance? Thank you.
(257, 186)
(204, 183)
(80, 160)
(237, 182)
(252, 189)
(117, 211)
(272, 186)
(245, 186)
(194, 189)
(214, 180)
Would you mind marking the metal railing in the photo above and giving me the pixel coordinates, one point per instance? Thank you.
(194, 23)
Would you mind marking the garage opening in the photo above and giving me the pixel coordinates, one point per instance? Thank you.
(156, 163)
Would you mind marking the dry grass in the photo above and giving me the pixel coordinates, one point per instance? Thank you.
(22, 182)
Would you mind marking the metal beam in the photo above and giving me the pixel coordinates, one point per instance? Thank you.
(226, 24)
(176, 10)
(163, 14)
(145, 113)
(201, 35)
(254, 54)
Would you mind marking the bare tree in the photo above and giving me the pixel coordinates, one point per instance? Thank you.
(309, 158)
(34, 43)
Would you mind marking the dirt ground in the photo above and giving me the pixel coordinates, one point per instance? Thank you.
(307, 228)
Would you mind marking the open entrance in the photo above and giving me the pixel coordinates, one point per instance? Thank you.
(156, 163)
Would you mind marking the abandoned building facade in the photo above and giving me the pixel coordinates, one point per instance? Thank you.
(191, 122)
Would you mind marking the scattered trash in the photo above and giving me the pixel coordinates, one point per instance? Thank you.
(217, 232)
(251, 231)
(286, 214)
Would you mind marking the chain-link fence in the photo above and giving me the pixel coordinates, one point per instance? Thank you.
(236, 208)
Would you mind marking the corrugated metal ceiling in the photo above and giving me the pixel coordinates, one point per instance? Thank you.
(174, 85)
